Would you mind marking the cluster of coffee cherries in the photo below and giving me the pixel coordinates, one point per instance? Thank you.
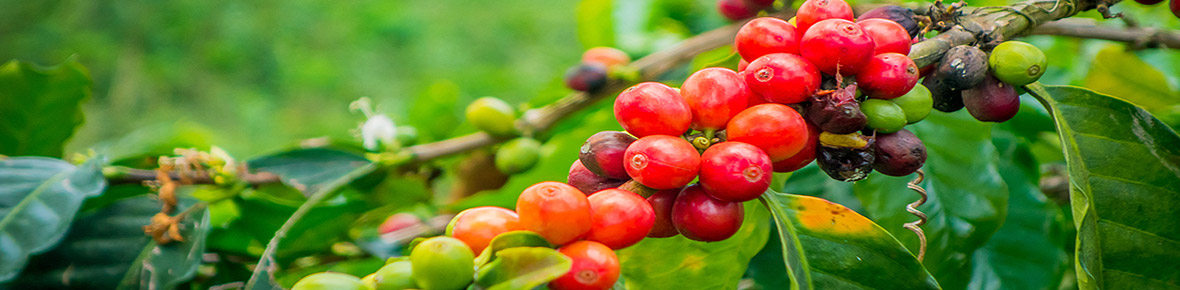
(741, 9)
(438, 263)
(985, 84)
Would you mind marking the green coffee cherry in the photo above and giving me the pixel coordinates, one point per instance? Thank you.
(518, 155)
(442, 263)
(492, 115)
(393, 276)
(883, 115)
(1017, 63)
(330, 281)
(916, 104)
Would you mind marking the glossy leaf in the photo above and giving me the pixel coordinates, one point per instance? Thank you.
(680, 263)
(968, 198)
(1124, 168)
(827, 246)
(40, 107)
(723, 56)
(523, 268)
(508, 240)
(38, 199)
(307, 169)
(166, 266)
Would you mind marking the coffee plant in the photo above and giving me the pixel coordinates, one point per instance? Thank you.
(818, 144)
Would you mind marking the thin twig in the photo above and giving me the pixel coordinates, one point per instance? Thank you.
(916, 226)
(1137, 37)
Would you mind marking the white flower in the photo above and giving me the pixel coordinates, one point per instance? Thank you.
(378, 131)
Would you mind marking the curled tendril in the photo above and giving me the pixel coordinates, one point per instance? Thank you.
(915, 226)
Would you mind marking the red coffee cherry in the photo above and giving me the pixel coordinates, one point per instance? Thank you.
(607, 56)
(805, 156)
(701, 217)
(661, 203)
(888, 36)
(399, 221)
(714, 95)
(662, 161)
(736, 9)
(776, 129)
(588, 182)
(557, 211)
(621, 218)
(1175, 6)
(814, 11)
(735, 171)
(595, 267)
(742, 64)
(652, 108)
(888, 76)
(837, 45)
(783, 78)
(477, 226)
(766, 35)
(603, 153)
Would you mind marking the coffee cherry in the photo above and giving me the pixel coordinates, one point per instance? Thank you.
(661, 203)
(518, 155)
(701, 217)
(888, 75)
(782, 78)
(662, 162)
(652, 108)
(916, 104)
(962, 67)
(899, 154)
(586, 77)
(607, 56)
(329, 281)
(766, 35)
(992, 101)
(477, 226)
(621, 218)
(736, 9)
(837, 46)
(735, 171)
(595, 267)
(761, 3)
(603, 153)
(399, 221)
(888, 36)
(945, 99)
(714, 95)
(901, 15)
(1017, 63)
(442, 263)
(492, 115)
(837, 112)
(814, 11)
(557, 211)
(393, 276)
(742, 64)
(884, 116)
(1149, 2)
(846, 157)
(805, 156)
(1175, 6)
(776, 129)
(588, 182)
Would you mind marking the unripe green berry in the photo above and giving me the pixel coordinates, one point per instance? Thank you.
(916, 104)
(442, 263)
(330, 281)
(1017, 63)
(393, 276)
(518, 155)
(883, 115)
(492, 115)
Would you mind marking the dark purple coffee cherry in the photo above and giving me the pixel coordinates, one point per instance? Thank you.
(945, 99)
(587, 181)
(586, 77)
(962, 67)
(901, 15)
(603, 154)
(837, 112)
(846, 157)
(899, 154)
(992, 101)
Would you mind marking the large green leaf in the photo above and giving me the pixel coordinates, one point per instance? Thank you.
(680, 263)
(40, 107)
(1124, 171)
(523, 268)
(307, 169)
(968, 198)
(166, 266)
(827, 246)
(38, 199)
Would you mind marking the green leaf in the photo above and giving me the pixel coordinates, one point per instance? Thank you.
(1121, 73)
(40, 107)
(38, 199)
(508, 240)
(827, 246)
(1124, 171)
(723, 56)
(523, 268)
(968, 198)
(166, 266)
(680, 263)
(307, 169)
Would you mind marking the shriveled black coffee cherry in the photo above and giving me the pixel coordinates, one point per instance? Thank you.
(962, 67)
(945, 98)
(846, 157)
(837, 112)
(901, 15)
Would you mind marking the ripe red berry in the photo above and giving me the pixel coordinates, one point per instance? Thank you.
(736, 9)
(701, 217)
(888, 76)
(761, 3)
(735, 171)
(621, 218)
(888, 36)
(662, 161)
(714, 95)
(603, 153)
(776, 129)
(557, 211)
(661, 203)
(814, 11)
(805, 156)
(399, 221)
(652, 108)
(837, 45)
(477, 226)
(742, 64)
(607, 56)
(766, 35)
(588, 182)
(595, 267)
(783, 78)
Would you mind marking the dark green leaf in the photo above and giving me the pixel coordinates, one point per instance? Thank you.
(1124, 168)
(38, 199)
(767, 268)
(827, 246)
(307, 169)
(523, 268)
(166, 266)
(40, 107)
